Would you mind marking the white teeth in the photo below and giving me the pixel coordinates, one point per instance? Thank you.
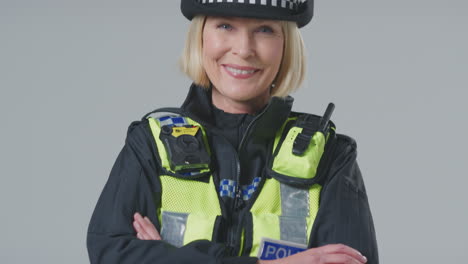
(237, 71)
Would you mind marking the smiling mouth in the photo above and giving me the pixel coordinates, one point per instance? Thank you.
(240, 73)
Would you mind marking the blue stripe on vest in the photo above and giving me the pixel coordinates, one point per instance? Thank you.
(227, 188)
(249, 190)
(172, 121)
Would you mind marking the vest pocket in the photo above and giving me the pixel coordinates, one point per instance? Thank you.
(298, 167)
(189, 209)
(199, 226)
(283, 212)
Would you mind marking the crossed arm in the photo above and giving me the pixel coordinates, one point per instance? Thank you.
(336, 253)
(130, 188)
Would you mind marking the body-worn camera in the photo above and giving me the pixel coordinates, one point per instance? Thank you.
(185, 147)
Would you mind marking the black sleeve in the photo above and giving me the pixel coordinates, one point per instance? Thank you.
(133, 187)
(344, 215)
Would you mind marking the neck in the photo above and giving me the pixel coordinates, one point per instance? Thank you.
(229, 105)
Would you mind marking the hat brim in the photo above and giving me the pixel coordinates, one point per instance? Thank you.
(192, 8)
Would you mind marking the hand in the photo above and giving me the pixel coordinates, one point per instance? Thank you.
(336, 254)
(144, 228)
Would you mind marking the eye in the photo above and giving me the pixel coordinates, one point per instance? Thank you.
(224, 26)
(265, 29)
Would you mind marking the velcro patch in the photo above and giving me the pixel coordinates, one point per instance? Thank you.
(275, 249)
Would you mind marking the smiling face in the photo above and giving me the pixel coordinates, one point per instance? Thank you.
(241, 57)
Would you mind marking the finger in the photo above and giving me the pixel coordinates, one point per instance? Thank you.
(138, 230)
(147, 228)
(137, 216)
(141, 234)
(339, 259)
(151, 229)
(141, 221)
(342, 249)
(137, 227)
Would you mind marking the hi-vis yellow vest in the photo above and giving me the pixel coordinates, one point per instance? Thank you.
(190, 209)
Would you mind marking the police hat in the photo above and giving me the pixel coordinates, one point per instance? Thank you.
(300, 11)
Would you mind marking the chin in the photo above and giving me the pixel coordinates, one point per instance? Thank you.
(240, 94)
(247, 89)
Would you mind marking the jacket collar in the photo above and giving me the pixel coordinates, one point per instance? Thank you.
(199, 107)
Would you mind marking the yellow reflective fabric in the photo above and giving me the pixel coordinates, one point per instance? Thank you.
(314, 199)
(199, 226)
(182, 196)
(265, 214)
(304, 166)
(198, 199)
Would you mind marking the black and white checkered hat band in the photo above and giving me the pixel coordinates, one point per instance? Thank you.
(299, 11)
(289, 4)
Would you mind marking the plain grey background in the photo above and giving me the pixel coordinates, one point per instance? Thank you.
(75, 73)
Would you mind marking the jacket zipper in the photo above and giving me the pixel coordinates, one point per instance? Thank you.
(234, 236)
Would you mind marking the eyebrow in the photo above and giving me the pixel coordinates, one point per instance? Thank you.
(254, 20)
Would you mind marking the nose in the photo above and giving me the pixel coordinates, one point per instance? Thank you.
(244, 45)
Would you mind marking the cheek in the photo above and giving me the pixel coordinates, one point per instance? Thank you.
(271, 53)
(213, 48)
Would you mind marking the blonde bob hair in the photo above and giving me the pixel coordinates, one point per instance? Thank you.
(290, 74)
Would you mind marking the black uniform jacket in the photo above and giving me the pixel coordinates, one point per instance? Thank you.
(133, 186)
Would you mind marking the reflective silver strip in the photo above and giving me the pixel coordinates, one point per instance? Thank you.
(294, 210)
(293, 229)
(173, 227)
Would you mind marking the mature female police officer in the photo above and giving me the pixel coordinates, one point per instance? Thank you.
(233, 176)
